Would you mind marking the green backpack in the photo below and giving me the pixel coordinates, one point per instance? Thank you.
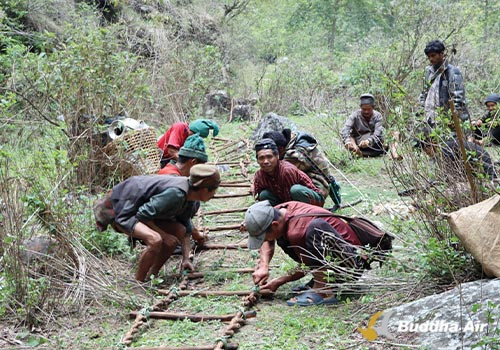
(310, 155)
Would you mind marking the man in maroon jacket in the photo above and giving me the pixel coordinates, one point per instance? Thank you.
(279, 181)
(309, 235)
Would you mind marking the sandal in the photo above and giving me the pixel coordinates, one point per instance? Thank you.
(311, 298)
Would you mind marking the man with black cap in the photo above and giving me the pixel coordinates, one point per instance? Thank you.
(442, 82)
(279, 181)
(176, 135)
(310, 236)
(490, 121)
(363, 131)
(157, 209)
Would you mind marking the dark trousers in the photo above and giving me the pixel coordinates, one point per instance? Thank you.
(325, 247)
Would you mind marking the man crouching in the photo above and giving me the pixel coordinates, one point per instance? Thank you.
(309, 235)
(157, 209)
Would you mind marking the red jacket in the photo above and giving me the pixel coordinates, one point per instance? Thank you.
(175, 137)
(295, 227)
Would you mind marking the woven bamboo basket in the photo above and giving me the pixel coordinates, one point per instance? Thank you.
(133, 153)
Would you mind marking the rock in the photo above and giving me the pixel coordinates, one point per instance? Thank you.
(242, 112)
(217, 102)
(397, 209)
(445, 321)
(272, 122)
(37, 247)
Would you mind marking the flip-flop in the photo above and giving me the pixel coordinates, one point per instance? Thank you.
(312, 298)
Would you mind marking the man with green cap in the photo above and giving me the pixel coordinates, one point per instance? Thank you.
(157, 210)
(363, 131)
(311, 236)
(176, 135)
(190, 154)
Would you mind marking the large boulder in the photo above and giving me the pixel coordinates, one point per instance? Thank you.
(456, 319)
(272, 122)
(216, 103)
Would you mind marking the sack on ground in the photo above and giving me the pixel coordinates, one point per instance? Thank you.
(478, 228)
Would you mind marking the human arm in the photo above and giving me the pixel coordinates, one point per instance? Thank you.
(274, 284)
(173, 139)
(185, 250)
(378, 129)
(172, 152)
(345, 133)
(261, 273)
(257, 185)
(297, 176)
(426, 83)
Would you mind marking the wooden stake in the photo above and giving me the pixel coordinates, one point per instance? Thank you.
(221, 246)
(230, 346)
(220, 139)
(228, 162)
(195, 318)
(193, 275)
(460, 137)
(209, 293)
(217, 212)
(233, 195)
(235, 185)
(223, 228)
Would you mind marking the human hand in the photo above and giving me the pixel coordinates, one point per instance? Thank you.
(187, 265)
(243, 226)
(198, 236)
(272, 285)
(364, 144)
(260, 275)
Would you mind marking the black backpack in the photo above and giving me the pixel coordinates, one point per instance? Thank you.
(368, 234)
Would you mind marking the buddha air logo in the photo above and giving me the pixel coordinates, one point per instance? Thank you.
(371, 333)
(430, 326)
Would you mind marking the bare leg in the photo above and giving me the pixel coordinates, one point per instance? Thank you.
(177, 231)
(154, 246)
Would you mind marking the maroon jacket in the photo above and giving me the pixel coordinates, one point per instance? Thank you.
(285, 176)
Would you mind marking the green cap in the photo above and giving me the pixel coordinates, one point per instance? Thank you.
(194, 147)
(202, 127)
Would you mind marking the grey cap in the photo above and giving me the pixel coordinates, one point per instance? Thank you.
(257, 220)
(367, 99)
(492, 98)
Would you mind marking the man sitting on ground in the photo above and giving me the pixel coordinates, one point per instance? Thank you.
(302, 150)
(310, 236)
(450, 154)
(176, 135)
(157, 210)
(489, 124)
(363, 131)
(279, 181)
